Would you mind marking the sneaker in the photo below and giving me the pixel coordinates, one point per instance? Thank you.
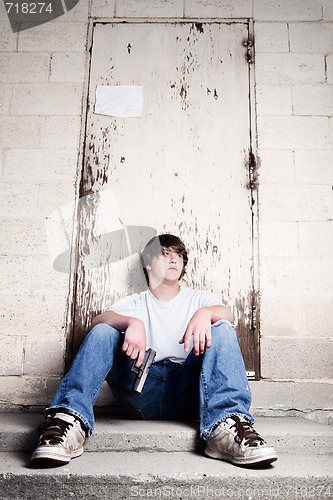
(236, 441)
(61, 438)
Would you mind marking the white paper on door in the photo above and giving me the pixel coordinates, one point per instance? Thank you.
(119, 100)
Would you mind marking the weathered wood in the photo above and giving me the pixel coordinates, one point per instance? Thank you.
(182, 167)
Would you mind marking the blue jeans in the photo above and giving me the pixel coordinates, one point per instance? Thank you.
(211, 386)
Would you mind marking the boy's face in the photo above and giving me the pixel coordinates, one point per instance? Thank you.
(167, 266)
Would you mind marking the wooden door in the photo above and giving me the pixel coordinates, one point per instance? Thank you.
(179, 167)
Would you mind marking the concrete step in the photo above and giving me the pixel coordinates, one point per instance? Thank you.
(176, 475)
(18, 432)
(156, 459)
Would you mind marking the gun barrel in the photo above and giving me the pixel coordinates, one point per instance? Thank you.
(138, 385)
(142, 372)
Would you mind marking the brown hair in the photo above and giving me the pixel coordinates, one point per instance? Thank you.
(153, 249)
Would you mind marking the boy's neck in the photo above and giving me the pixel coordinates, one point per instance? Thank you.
(165, 291)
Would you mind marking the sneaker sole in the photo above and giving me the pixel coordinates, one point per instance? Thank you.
(262, 461)
(47, 458)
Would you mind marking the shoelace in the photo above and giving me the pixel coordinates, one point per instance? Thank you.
(245, 431)
(53, 430)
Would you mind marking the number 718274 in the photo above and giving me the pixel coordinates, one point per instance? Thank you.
(29, 8)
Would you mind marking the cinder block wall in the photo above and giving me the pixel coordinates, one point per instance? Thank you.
(43, 73)
(294, 94)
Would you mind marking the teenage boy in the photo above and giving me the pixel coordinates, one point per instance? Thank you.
(198, 370)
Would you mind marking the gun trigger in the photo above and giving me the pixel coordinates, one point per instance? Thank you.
(133, 368)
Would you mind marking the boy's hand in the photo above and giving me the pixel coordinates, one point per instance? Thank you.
(199, 327)
(134, 345)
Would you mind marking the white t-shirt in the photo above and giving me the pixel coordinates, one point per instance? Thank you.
(166, 322)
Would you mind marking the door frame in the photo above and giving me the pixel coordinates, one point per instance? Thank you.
(253, 165)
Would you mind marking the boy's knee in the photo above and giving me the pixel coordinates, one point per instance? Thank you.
(223, 331)
(103, 331)
(223, 326)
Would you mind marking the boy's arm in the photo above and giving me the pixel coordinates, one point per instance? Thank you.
(134, 345)
(118, 321)
(219, 313)
(199, 327)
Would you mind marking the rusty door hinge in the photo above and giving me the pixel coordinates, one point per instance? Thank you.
(249, 44)
(253, 165)
(254, 317)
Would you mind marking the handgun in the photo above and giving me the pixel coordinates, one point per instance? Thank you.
(142, 371)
